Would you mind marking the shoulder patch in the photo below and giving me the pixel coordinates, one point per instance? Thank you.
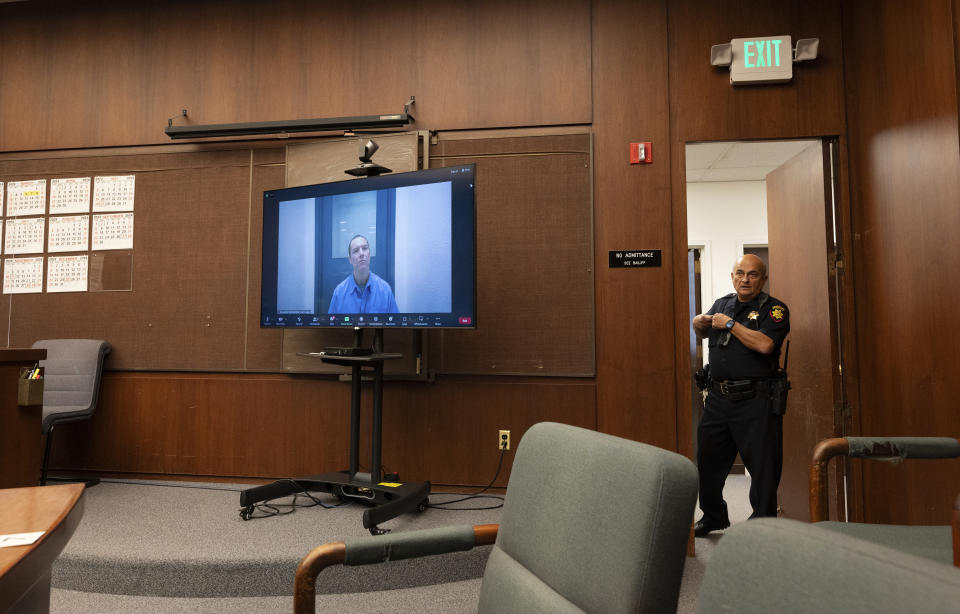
(778, 312)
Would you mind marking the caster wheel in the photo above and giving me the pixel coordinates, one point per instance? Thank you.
(246, 513)
(423, 505)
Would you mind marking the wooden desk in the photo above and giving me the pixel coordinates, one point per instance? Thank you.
(25, 570)
(21, 443)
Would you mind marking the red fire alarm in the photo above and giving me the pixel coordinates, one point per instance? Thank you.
(641, 153)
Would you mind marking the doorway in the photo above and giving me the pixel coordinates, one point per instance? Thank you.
(775, 199)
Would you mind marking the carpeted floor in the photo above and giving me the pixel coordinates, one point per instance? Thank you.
(174, 547)
(447, 598)
(183, 547)
(736, 493)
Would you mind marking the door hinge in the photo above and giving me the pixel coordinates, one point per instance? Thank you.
(835, 263)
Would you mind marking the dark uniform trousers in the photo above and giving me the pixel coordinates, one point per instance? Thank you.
(749, 426)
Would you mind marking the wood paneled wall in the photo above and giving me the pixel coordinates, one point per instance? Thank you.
(93, 74)
(635, 307)
(703, 104)
(79, 75)
(277, 425)
(905, 185)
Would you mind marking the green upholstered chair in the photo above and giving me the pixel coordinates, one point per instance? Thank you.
(933, 542)
(787, 567)
(591, 523)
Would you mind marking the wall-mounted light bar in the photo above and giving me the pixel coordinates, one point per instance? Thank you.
(296, 125)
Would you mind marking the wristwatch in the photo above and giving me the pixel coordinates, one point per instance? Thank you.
(730, 324)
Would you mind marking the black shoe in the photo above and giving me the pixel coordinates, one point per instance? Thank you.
(702, 529)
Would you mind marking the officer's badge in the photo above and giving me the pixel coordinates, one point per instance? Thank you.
(777, 312)
(753, 315)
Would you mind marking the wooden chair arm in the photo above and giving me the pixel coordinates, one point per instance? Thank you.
(822, 453)
(486, 534)
(305, 582)
(893, 449)
(321, 557)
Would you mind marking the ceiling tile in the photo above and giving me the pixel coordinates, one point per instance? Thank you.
(703, 155)
(748, 173)
(745, 160)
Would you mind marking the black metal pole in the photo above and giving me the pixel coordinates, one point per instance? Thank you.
(375, 428)
(354, 419)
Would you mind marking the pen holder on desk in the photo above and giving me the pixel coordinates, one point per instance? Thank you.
(29, 391)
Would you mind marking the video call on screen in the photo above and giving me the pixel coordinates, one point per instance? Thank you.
(413, 240)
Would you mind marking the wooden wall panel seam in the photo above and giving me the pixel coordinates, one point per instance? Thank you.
(246, 294)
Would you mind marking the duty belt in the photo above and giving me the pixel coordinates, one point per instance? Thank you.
(735, 389)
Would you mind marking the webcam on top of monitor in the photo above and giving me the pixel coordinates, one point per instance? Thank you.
(368, 168)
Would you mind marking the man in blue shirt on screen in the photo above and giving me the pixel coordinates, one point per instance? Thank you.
(364, 291)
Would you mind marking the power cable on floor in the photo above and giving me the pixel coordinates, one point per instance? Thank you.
(269, 508)
(477, 495)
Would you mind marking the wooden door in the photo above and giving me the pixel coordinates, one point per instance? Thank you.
(802, 259)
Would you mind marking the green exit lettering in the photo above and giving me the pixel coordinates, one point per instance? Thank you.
(761, 53)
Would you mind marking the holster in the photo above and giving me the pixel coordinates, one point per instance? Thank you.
(702, 377)
(778, 387)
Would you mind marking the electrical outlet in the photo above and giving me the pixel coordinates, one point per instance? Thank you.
(503, 441)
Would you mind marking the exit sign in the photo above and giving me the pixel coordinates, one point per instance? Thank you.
(761, 60)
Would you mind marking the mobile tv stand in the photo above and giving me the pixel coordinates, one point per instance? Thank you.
(387, 499)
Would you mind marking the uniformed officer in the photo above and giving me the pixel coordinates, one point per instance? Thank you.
(745, 330)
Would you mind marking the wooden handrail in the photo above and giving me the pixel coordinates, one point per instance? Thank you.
(822, 453)
(321, 557)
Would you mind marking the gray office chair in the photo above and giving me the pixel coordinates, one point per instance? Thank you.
(591, 523)
(785, 566)
(71, 385)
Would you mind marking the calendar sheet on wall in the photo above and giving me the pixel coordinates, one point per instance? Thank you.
(112, 231)
(69, 233)
(22, 275)
(67, 273)
(70, 195)
(114, 193)
(27, 197)
(24, 236)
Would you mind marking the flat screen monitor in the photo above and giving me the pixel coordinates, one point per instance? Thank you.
(391, 251)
